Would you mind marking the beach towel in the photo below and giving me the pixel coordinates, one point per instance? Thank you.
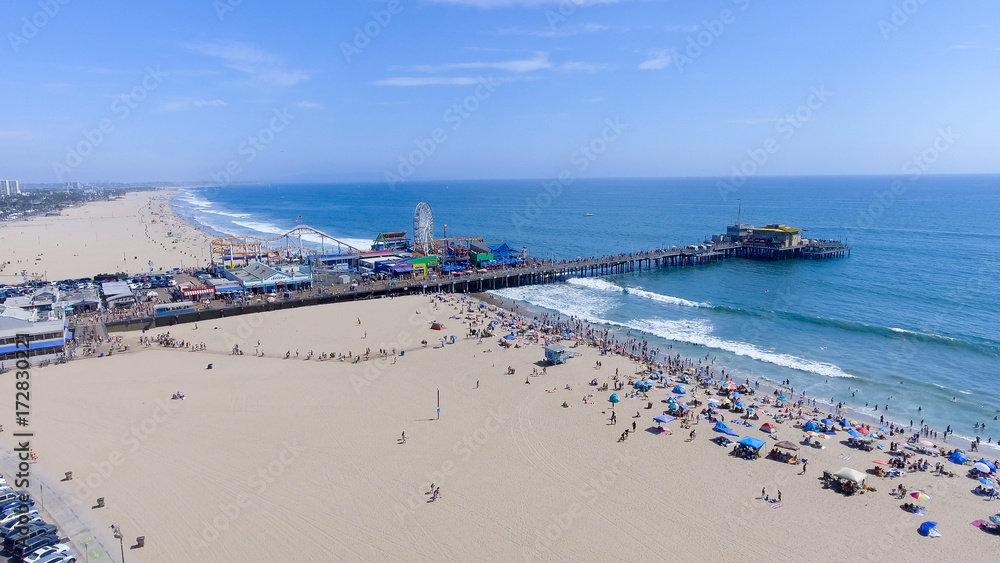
(776, 505)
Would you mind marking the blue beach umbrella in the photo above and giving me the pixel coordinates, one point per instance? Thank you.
(810, 426)
(844, 422)
(736, 395)
(926, 528)
(614, 398)
(958, 458)
(828, 422)
(883, 429)
(782, 398)
(854, 433)
(509, 337)
(987, 482)
(988, 463)
(680, 389)
(740, 405)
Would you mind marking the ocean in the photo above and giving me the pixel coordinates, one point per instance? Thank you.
(910, 321)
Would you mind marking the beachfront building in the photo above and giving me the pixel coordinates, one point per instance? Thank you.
(117, 295)
(257, 277)
(777, 236)
(224, 287)
(45, 331)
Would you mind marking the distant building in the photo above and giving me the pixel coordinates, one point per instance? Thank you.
(9, 188)
(258, 277)
(777, 235)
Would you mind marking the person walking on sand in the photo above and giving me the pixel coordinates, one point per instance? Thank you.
(805, 463)
(633, 426)
(693, 434)
(402, 439)
(779, 495)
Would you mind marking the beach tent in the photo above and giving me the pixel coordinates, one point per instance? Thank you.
(958, 457)
(769, 428)
(722, 428)
(981, 467)
(663, 418)
(680, 389)
(848, 474)
(785, 445)
(989, 464)
(751, 442)
(929, 529)
(437, 326)
(810, 427)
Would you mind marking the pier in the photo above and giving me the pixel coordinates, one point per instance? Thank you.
(532, 274)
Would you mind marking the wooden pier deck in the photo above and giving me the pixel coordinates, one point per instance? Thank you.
(512, 277)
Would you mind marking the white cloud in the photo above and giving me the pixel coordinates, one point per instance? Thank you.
(681, 28)
(189, 104)
(259, 64)
(577, 66)
(658, 59)
(539, 62)
(307, 105)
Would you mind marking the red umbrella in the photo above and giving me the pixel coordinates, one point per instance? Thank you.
(862, 429)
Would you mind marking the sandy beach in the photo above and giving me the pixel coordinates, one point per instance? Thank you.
(102, 237)
(271, 459)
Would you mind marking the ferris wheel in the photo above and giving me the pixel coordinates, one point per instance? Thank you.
(423, 227)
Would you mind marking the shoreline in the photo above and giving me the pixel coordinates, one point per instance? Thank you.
(767, 385)
(120, 235)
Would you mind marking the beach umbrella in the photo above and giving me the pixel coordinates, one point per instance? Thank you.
(854, 433)
(828, 422)
(989, 464)
(614, 398)
(987, 482)
(995, 519)
(929, 529)
(713, 403)
(958, 458)
(680, 389)
(735, 395)
(880, 462)
(920, 495)
(883, 429)
(862, 430)
(740, 405)
(927, 443)
(845, 423)
(782, 398)
(981, 467)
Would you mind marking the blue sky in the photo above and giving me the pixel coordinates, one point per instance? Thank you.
(290, 92)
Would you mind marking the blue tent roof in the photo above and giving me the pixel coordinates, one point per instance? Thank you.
(959, 458)
(810, 426)
(663, 418)
(751, 442)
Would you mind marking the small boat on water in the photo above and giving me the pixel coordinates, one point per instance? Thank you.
(588, 214)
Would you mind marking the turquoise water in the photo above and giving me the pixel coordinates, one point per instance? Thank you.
(911, 320)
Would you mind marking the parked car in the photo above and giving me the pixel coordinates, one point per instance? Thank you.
(40, 555)
(59, 558)
(31, 513)
(34, 530)
(22, 549)
(4, 507)
(8, 528)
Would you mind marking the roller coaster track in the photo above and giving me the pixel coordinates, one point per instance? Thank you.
(251, 244)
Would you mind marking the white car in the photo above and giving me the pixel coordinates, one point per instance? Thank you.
(42, 553)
